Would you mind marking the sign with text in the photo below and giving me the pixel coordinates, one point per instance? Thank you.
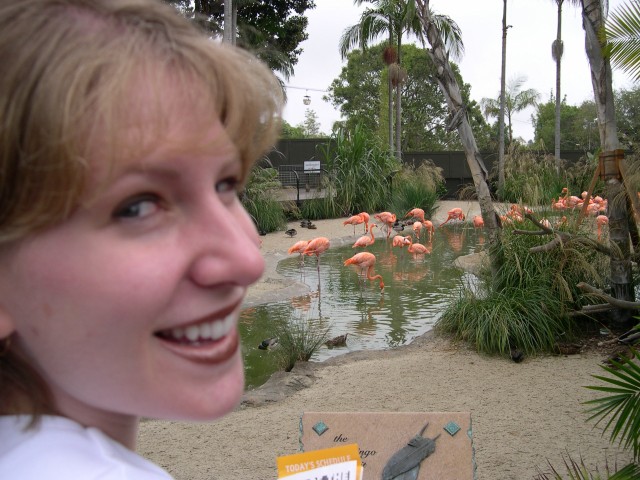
(424, 446)
(340, 462)
(312, 165)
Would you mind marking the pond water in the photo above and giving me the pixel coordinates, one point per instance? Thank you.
(417, 289)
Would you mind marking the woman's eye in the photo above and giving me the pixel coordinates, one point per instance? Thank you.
(138, 207)
(229, 184)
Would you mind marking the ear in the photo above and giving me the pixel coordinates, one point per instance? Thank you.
(7, 326)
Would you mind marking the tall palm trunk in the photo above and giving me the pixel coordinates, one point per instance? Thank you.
(557, 51)
(502, 95)
(390, 94)
(601, 78)
(399, 102)
(227, 33)
(451, 91)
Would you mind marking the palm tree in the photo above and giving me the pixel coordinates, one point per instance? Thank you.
(502, 101)
(557, 48)
(623, 37)
(395, 18)
(516, 100)
(432, 35)
(593, 20)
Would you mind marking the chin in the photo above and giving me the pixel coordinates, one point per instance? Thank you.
(216, 400)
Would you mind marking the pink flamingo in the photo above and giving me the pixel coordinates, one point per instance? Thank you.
(400, 241)
(416, 212)
(354, 220)
(601, 220)
(366, 240)
(388, 219)
(478, 222)
(428, 226)
(365, 217)
(417, 248)
(366, 261)
(417, 228)
(316, 247)
(299, 247)
(454, 214)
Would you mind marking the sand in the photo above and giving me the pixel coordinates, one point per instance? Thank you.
(524, 414)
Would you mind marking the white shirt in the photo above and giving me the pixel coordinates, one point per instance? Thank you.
(60, 449)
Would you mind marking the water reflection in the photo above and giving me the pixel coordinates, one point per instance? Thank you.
(416, 290)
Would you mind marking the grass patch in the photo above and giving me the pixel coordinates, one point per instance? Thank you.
(298, 339)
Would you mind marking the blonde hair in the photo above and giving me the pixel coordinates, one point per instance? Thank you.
(68, 69)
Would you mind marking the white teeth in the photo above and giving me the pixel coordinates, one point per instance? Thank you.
(205, 331)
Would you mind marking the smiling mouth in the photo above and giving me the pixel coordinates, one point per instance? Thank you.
(202, 333)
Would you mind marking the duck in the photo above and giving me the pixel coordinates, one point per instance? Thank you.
(292, 232)
(268, 343)
(398, 226)
(311, 226)
(339, 341)
(305, 223)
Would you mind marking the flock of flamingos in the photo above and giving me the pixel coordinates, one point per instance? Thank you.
(365, 261)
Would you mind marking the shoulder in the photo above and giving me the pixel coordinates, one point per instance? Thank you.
(59, 448)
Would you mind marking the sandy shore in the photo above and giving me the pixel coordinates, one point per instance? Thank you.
(523, 414)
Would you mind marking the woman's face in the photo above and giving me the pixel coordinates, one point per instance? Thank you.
(131, 305)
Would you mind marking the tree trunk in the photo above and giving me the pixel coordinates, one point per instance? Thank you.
(502, 94)
(399, 104)
(558, 50)
(601, 78)
(459, 120)
(227, 34)
(390, 93)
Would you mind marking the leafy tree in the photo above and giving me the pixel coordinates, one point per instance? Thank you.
(359, 89)
(628, 116)
(579, 130)
(272, 29)
(289, 131)
(516, 100)
(623, 34)
(310, 127)
(396, 17)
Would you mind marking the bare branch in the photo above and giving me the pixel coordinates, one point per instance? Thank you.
(624, 304)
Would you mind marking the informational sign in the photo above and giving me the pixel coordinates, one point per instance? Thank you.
(421, 446)
(312, 165)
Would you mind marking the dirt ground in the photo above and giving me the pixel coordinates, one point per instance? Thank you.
(524, 414)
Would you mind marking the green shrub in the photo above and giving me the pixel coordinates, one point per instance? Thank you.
(417, 188)
(260, 201)
(530, 310)
(298, 339)
(360, 171)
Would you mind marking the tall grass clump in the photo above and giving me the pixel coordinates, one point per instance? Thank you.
(298, 339)
(532, 178)
(360, 168)
(417, 187)
(527, 304)
(260, 201)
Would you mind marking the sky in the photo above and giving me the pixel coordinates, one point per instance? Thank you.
(533, 29)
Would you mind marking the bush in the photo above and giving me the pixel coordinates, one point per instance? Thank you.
(260, 201)
(298, 340)
(360, 171)
(530, 309)
(417, 188)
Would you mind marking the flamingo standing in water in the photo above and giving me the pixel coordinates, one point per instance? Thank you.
(417, 248)
(454, 214)
(299, 247)
(316, 247)
(400, 241)
(388, 219)
(365, 218)
(354, 220)
(478, 222)
(366, 261)
(417, 213)
(601, 220)
(366, 240)
(428, 226)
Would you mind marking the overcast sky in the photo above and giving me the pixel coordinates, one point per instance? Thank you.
(528, 53)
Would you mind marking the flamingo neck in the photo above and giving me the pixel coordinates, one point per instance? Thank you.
(371, 276)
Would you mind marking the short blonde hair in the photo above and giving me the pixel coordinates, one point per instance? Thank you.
(67, 67)
(69, 63)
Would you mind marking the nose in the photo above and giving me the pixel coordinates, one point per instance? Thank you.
(227, 249)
